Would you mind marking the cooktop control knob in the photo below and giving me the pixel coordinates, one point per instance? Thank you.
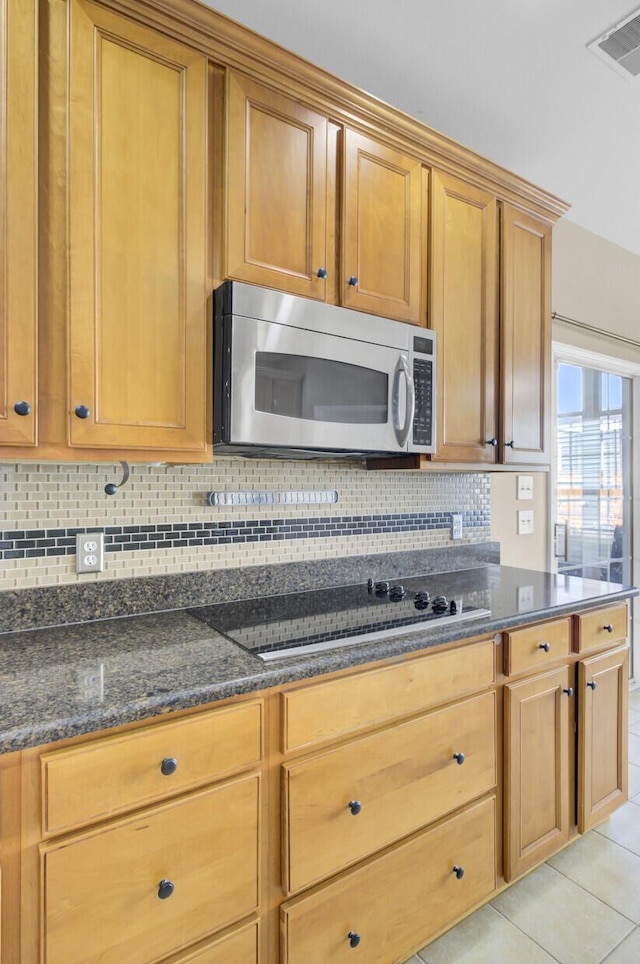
(381, 588)
(421, 599)
(453, 607)
(440, 604)
(397, 592)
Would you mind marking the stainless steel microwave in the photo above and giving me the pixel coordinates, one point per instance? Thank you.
(297, 378)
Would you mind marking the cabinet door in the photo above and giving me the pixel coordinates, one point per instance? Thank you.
(464, 312)
(18, 220)
(276, 190)
(382, 253)
(538, 745)
(602, 736)
(526, 337)
(137, 233)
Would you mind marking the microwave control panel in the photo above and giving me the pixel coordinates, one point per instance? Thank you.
(423, 362)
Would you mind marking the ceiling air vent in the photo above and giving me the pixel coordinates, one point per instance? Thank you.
(619, 47)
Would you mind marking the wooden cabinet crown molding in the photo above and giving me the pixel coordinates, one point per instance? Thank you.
(233, 45)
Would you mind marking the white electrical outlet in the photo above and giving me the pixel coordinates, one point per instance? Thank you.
(89, 551)
(525, 522)
(524, 487)
(456, 525)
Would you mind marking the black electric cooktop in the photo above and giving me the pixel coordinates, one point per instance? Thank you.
(273, 627)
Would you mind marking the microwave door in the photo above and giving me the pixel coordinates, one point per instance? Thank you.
(291, 387)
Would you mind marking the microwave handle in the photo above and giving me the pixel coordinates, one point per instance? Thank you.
(402, 431)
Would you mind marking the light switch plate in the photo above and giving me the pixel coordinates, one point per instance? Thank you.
(525, 522)
(525, 487)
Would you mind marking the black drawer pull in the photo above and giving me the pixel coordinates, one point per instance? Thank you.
(569, 691)
(353, 281)
(354, 938)
(608, 627)
(22, 408)
(545, 646)
(322, 272)
(592, 684)
(459, 758)
(355, 807)
(82, 411)
(459, 872)
(168, 766)
(165, 889)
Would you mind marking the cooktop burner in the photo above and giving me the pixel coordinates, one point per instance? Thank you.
(273, 627)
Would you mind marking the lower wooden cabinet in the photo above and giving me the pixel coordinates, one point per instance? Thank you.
(145, 886)
(364, 812)
(538, 741)
(575, 714)
(398, 901)
(603, 771)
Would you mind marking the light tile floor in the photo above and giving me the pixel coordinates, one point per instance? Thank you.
(581, 907)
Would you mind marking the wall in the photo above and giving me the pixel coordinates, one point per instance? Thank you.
(528, 551)
(161, 521)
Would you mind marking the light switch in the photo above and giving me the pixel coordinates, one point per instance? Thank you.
(525, 487)
(525, 522)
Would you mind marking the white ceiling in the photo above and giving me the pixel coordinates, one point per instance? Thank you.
(511, 79)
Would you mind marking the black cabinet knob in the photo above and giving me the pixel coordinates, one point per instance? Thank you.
(165, 889)
(459, 758)
(608, 627)
(168, 766)
(353, 281)
(510, 445)
(355, 807)
(22, 408)
(569, 691)
(322, 272)
(492, 441)
(545, 646)
(459, 872)
(592, 684)
(354, 938)
(82, 411)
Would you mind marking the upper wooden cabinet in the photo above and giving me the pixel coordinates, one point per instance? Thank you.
(463, 309)
(276, 173)
(281, 208)
(137, 199)
(382, 229)
(18, 222)
(526, 337)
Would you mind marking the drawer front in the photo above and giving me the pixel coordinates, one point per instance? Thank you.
(399, 900)
(106, 777)
(102, 891)
(604, 627)
(240, 947)
(396, 781)
(328, 710)
(537, 647)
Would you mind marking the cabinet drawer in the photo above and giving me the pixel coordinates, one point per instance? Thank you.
(87, 783)
(536, 647)
(325, 711)
(604, 627)
(240, 947)
(397, 781)
(398, 900)
(101, 891)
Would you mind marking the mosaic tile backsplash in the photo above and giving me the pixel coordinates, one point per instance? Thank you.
(161, 521)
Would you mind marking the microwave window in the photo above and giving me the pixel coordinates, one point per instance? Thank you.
(320, 390)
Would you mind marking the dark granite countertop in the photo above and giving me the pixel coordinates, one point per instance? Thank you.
(76, 679)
